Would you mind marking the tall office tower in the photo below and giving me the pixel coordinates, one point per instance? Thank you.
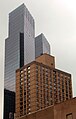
(41, 45)
(20, 44)
(39, 85)
(9, 106)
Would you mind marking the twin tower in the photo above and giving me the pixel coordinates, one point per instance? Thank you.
(21, 46)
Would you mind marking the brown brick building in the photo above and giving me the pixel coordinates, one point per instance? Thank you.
(39, 85)
(64, 110)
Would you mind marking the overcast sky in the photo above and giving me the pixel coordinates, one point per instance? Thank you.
(57, 20)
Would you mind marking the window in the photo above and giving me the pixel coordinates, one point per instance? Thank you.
(69, 116)
(28, 67)
(21, 71)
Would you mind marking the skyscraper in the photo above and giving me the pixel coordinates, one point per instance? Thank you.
(20, 44)
(9, 104)
(41, 45)
(39, 85)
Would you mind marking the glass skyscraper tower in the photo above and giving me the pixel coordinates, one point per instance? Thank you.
(20, 44)
(41, 45)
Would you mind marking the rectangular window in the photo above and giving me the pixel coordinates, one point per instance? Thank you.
(69, 116)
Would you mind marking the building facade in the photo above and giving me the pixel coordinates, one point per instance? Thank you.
(64, 110)
(9, 104)
(20, 44)
(41, 45)
(39, 85)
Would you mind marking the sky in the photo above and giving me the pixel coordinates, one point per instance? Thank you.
(57, 20)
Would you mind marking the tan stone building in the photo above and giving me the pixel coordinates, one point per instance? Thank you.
(39, 85)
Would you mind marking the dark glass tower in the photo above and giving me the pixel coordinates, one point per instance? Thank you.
(9, 104)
